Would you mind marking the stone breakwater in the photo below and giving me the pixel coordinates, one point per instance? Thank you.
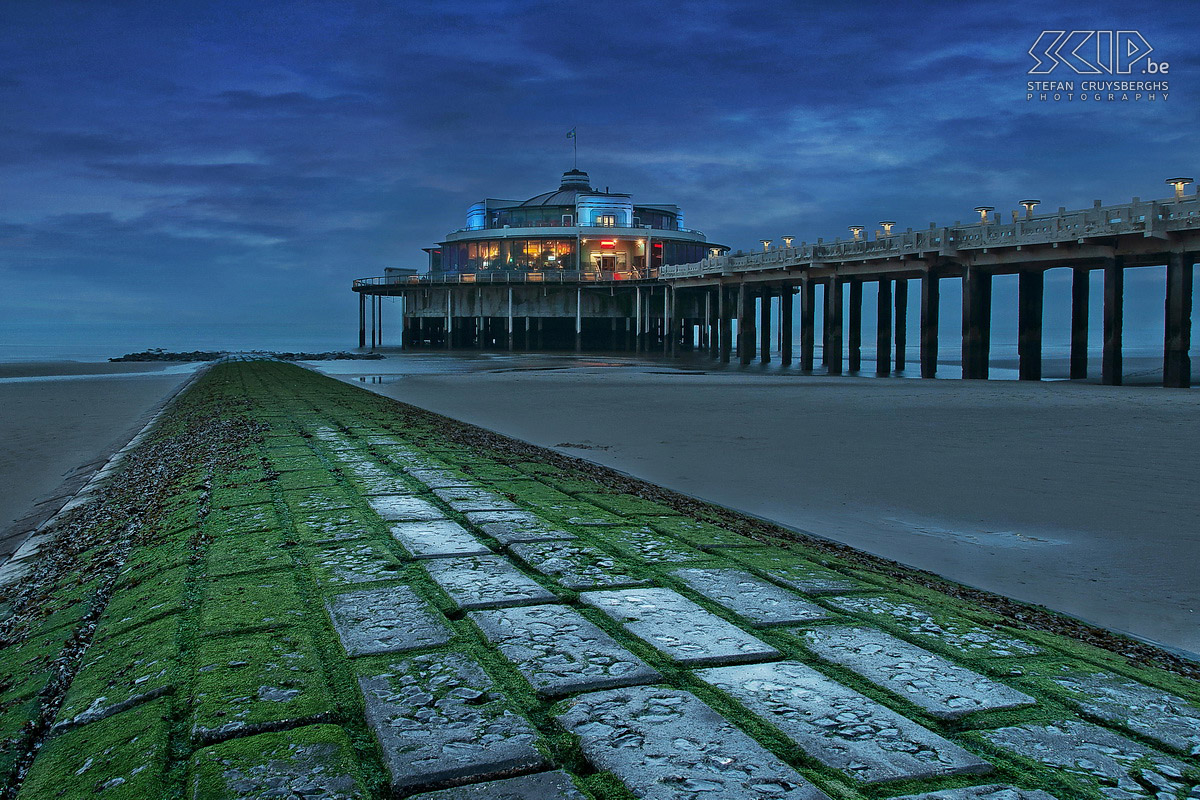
(294, 588)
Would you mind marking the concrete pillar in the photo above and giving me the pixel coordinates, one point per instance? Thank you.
(883, 327)
(578, 319)
(537, 331)
(511, 332)
(724, 326)
(833, 326)
(1030, 293)
(745, 325)
(713, 317)
(1114, 313)
(637, 319)
(901, 326)
(808, 301)
(785, 326)
(825, 326)
(362, 320)
(1177, 364)
(449, 318)
(480, 328)
(1079, 322)
(855, 333)
(668, 341)
(373, 321)
(930, 298)
(977, 322)
(764, 327)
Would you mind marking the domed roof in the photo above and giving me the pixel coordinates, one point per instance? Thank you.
(574, 182)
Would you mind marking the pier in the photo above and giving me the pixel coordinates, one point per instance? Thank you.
(680, 307)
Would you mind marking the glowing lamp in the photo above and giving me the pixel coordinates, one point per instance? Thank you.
(887, 226)
(983, 213)
(787, 240)
(857, 231)
(1179, 183)
(1029, 206)
(766, 243)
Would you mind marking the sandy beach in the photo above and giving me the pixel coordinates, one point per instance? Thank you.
(1078, 497)
(59, 417)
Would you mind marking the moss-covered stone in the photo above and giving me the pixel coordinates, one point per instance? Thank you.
(357, 561)
(315, 762)
(247, 552)
(123, 757)
(154, 597)
(250, 601)
(121, 668)
(628, 505)
(241, 519)
(245, 682)
(698, 533)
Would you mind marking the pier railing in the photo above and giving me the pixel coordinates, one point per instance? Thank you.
(502, 277)
(1154, 218)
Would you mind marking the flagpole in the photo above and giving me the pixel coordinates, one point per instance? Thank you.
(575, 144)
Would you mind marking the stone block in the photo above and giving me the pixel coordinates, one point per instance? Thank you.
(761, 602)
(404, 508)
(438, 719)
(945, 690)
(437, 539)
(990, 792)
(559, 651)
(840, 727)
(486, 582)
(665, 744)
(679, 628)
(463, 499)
(350, 562)
(388, 620)
(555, 785)
(576, 566)
(1115, 766)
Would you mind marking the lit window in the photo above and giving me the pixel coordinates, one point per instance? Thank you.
(606, 220)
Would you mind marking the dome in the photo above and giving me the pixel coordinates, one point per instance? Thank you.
(574, 182)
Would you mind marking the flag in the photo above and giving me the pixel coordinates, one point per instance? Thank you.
(571, 133)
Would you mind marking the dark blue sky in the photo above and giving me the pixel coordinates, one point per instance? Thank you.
(226, 164)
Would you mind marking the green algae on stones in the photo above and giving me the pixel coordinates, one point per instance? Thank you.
(241, 519)
(152, 598)
(123, 757)
(628, 505)
(315, 762)
(645, 544)
(804, 576)
(122, 669)
(247, 552)
(250, 601)
(697, 533)
(246, 682)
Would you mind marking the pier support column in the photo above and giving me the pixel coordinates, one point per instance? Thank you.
(373, 303)
(808, 301)
(511, 332)
(362, 320)
(745, 324)
(668, 326)
(833, 325)
(901, 322)
(1177, 364)
(724, 324)
(785, 326)
(1079, 322)
(713, 304)
(578, 319)
(977, 322)
(1030, 292)
(449, 343)
(764, 327)
(1114, 321)
(855, 333)
(930, 299)
(883, 327)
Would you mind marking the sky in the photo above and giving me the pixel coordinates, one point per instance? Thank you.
(198, 171)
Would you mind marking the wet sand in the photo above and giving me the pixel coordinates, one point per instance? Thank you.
(1078, 497)
(58, 417)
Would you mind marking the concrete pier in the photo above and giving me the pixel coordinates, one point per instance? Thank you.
(1114, 321)
(1080, 285)
(833, 326)
(808, 301)
(855, 324)
(883, 327)
(1030, 294)
(930, 298)
(901, 321)
(1177, 365)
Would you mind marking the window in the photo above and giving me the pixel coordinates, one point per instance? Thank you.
(606, 220)
(568, 220)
